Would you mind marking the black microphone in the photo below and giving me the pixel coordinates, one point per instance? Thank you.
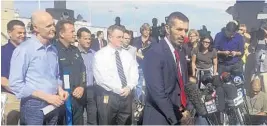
(194, 95)
(220, 94)
(230, 91)
(220, 99)
(229, 88)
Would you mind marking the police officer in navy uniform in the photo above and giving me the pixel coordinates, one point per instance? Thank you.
(70, 61)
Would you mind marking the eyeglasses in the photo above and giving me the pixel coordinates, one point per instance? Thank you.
(206, 42)
(192, 36)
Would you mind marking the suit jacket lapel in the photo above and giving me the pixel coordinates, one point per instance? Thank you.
(169, 55)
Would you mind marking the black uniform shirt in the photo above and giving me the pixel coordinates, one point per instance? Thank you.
(70, 61)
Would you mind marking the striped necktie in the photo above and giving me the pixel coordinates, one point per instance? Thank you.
(120, 70)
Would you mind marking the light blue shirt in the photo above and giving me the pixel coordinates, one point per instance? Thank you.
(34, 67)
(88, 58)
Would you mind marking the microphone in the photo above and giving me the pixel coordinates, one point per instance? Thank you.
(194, 95)
(220, 99)
(229, 88)
(220, 94)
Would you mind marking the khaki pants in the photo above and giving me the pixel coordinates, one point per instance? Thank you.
(263, 78)
(12, 109)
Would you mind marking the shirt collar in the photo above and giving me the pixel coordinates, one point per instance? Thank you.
(37, 44)
(126, 48)
(61, 46)
(11, 44)
(82, 50)
(169, 44)
(112, 50)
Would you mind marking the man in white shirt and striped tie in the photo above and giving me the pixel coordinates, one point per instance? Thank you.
(116, 74)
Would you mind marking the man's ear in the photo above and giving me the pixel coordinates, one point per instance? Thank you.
(168, 29)
(61, 34)
(9, 33)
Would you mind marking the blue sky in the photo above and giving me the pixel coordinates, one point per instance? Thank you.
(209, 13)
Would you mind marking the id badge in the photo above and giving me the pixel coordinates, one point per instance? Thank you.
(66, 79)
(263, 57)
(106, 97)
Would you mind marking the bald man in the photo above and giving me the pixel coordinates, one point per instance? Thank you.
(34, 73)
(257, 100)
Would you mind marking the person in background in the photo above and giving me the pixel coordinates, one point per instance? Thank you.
(142, 44)
(165, 72)
(204, 58)
(193, 36)
(84, 39)
(261, 58)
(17, 33)
(155, 29)
(162, 31)
(72, 64)
(99, 42)
(118, 22)
(116, 74)
(93, 37)
(34, 73)
(246, 36)
(132, 36)
(230, 49)
(256, 99)
(126, 43)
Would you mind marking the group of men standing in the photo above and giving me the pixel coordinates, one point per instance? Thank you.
(102, 77)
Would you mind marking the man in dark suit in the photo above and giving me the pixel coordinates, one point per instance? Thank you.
(99, 42)
(165, 72)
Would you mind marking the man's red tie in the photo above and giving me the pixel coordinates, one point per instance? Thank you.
(180, 79)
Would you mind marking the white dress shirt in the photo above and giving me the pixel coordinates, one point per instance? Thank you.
(132, 50)
(172, 50)
(106, 73)
(171, 47)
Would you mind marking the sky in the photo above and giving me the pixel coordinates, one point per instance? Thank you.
(134, 13)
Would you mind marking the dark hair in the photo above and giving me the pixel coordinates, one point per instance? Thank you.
(12, 23)
(60, 25)
(201, 47)
(175, 15)
(232, 26)
(93, 36)
(128, 32)
(99, 33)
(83, 29)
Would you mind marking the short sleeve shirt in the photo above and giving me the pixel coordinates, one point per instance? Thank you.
(204, 61)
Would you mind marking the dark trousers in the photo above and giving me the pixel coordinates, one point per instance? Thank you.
(234, 68)
(77, 111)
(116, 111)
(31, 113)
(91, 106)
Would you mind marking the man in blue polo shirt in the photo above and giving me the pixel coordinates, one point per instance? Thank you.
(84, 38)
(230, 47)
(16, 33)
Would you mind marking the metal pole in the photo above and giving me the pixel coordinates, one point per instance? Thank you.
(39, 4)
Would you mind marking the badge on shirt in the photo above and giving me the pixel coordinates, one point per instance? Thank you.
(62, 59)
(106, 97)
